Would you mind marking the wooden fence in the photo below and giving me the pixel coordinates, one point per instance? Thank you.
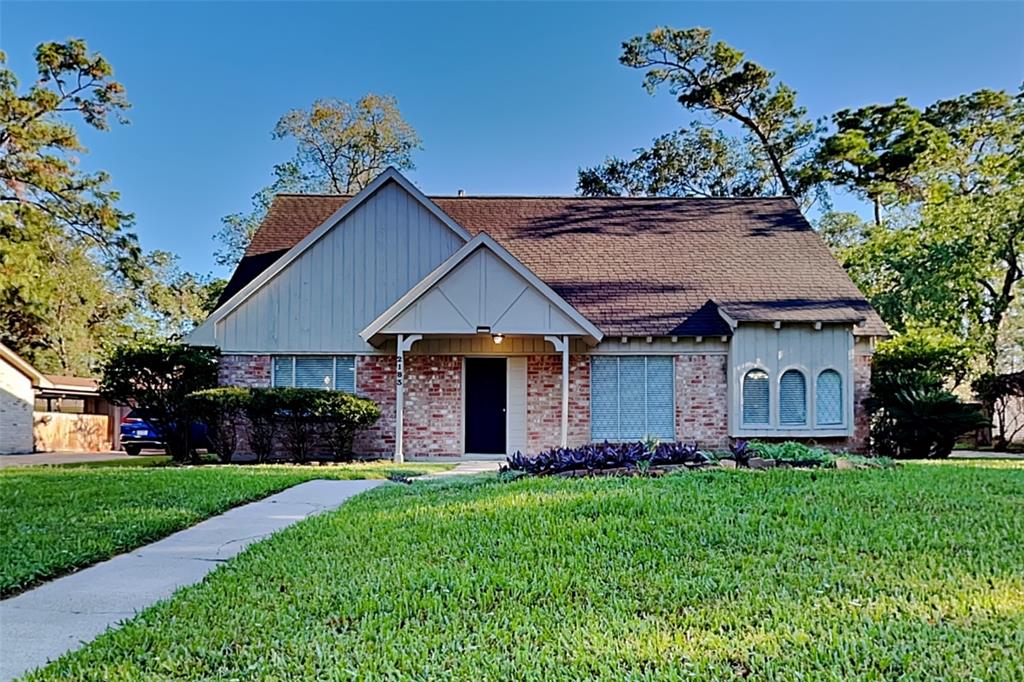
(54, 431)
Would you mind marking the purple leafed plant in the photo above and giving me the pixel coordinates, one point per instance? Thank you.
(606, 456)
(740, 450)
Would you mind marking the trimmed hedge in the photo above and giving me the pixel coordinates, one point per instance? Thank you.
(301, 421)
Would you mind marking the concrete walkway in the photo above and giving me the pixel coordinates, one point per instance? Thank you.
(60, 616)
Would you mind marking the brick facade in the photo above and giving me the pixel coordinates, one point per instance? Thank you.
(433, 404)
(244, 371)
(702, 403)
(375, 379)
(861, 391)
(544, 401)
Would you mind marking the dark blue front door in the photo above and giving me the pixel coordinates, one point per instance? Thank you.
(485, 405)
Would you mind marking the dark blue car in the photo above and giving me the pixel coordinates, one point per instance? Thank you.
(139, 432)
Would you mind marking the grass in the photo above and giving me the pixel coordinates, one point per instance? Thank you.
(908, 573)
(54, 519)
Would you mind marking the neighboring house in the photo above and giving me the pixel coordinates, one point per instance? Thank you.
(48, 412)
(487, 325)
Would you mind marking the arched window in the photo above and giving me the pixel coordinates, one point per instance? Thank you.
(792, 398)
(755, 397)
(828, 398)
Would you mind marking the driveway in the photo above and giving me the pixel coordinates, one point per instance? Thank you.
(37, 458)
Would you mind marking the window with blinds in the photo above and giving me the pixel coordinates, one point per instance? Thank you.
(828, 398)
(792, 398)
(329, 372)
(632, 397)
(755, 398)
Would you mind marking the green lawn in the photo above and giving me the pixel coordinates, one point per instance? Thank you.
(55, 519)
(909, 573)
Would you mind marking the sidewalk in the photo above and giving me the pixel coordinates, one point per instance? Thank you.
(42, 624)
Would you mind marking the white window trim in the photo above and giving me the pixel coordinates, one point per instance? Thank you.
(743, 380)
(808, 415)
(334, 368)
(843, 421)
(811, 429)
(618, 395)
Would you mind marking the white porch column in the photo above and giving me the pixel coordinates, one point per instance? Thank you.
(562, 345)
(403, 345)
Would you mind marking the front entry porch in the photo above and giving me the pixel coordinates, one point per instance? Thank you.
(486, 403)
(482, 293)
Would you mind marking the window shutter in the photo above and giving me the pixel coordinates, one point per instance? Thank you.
(604, 398)
(660, 399)
(828, 402)
(314, 372)
(345, 373)
(755, 397)
(632, 398)
(792, 398)
(283, 371)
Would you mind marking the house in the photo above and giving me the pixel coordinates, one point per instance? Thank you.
(487, 325)
(49, 412)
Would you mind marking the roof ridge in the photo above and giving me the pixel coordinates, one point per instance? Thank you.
(548, 196)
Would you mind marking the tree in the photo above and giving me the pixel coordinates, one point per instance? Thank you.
(41, 186)
(947, 247)
(714, 77)
(156, 377)
(237, 229)
(1003, 397)
(63, 240)
(874, 152)
(695, 161)
(341, 147)
(175, 301)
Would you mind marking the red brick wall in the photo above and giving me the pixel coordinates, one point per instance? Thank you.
(433, 404)
(245, 371)
(861, 391)
(375, 379)
(702, 405)
(544, 401)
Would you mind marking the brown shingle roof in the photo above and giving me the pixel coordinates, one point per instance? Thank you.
(635, 266)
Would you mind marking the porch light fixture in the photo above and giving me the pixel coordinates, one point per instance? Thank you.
(483, 330)
(498, 338)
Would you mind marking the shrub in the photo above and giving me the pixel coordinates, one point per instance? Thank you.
(915, 420)
(343, 415)
(261, 415)
(1003, 397)
(934, 357)
(912, 415)
(156, 377)
(792, 452)
(298, 411)
(222, 411)
(607, 456)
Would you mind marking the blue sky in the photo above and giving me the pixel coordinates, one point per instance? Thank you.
(508, 98)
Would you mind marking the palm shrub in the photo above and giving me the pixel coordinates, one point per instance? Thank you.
(221, 410)
(912, 414)
(261, 416)
(915, 419)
